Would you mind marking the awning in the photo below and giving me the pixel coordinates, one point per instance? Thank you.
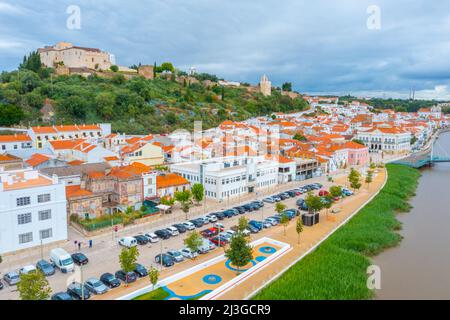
(163, 207)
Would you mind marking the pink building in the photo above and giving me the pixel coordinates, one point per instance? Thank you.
(358, 154)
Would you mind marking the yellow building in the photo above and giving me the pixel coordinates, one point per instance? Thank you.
(143, 152)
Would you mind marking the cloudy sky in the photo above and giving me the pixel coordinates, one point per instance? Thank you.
(319, 46)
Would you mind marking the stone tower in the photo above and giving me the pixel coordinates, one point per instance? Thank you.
(265, 86)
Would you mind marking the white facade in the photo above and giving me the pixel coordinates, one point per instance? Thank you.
(15, 142)
(386, 140)
(32, 210)
(229, 177)
(149, 184)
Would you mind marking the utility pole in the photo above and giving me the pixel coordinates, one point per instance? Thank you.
(161, 256)
(82, 282)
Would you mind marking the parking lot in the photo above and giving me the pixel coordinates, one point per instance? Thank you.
(103, 257)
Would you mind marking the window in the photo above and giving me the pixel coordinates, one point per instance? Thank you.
(24, 218)
(25, 237)
(23, 201)
(44, 197)
(45, 215)
(45, 234)
(3, 147)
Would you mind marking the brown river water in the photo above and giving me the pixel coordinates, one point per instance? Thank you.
(419, 268)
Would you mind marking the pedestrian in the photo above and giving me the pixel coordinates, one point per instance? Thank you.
(75, 243)
(90, 243)
(79, 246)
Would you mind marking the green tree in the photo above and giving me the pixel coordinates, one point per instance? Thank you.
(105, 102)
(114, 68)
(128, 259)
(369, 178)
(242, 224)
(10, 115)
(32, 62)
(198, 192)
(240, 253)
(354, 179)
(185, 200)
(153, 275)
(194, 241)
(336, 191)
(300, 137)
(34, 286)
(287, 86)
(327, 202)
(313, 202)
(167, 66)
(280, 207)
(284, 221)
(299, 227)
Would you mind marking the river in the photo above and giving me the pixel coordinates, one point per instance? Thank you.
(419, 268)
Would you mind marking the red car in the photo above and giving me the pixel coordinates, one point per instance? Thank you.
(323, 193)
(223, 241)
(208, 233)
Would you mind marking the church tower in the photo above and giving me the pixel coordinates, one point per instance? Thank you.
(265, 86)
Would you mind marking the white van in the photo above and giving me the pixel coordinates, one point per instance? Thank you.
(61, 260)
(27, 269)
(128, 242)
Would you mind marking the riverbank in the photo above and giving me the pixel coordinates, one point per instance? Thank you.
(337, 268)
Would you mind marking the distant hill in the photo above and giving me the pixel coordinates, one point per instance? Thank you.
(135, 106)
(399, 105)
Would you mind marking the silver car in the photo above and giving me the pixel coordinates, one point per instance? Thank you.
(176, 255)
(12, 278)
(96, 286)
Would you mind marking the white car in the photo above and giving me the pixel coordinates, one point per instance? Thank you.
(27, 269)
(246, 232)
(226, 235)
(189, 225)
(267, 224)
(176, 255)
(211, 218)
(231, 232)
(272, 221)
(188, 253)
(173, 231)
(153, 238)
(128, 242)
(219, 226)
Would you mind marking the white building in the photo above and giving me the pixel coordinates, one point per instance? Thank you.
(392, 140)
(32, 210)
(14, 142)
(229, 177)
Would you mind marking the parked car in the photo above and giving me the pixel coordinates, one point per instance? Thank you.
(208, 233)
(163, 234)
(240, 209)
(277, 198)
(176, 255)
(266, 224)
(197, 222)
(140, 270)
(181, 228)
(323, 193)
(208, 245)
(189, 225)
(110, 280)
(165, 260)
(219, 241)
(173, 231)
(258, 203)
(127, 277)
(299, 202)
(219, 215)
(128, 242)
(256, 224)
(212, 218)
(61, 296)
(219, 226)
(228, 213)
(80, 259)
(204, 220)
(248, 207)
(95, 286)
(272, 221)
(269, 200)
(255, 206)
(188, 253)
(1, 285)
(291, 193)
(74, 289)
(45, 267)
(276, 218)
(152, 238)
(27, 269)
(12, 278)
(226, 236)
(284, 196)
(303, 207)
(252, 229)
(141, 239)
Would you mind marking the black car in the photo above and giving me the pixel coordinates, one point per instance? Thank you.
(142, 240)
(140, 270)
(62, 296)
(180, 228)
(257, 205)
(75, 291)
(228, 213)
(198, 223)
(291, 193)
(240, 209)
(109, 280)
(1, 285)
(163, 234)
(167, 261)
(127, 277)
(248, 207)
(252, 229)
(282, 196)
(219, 215)
(79, 258)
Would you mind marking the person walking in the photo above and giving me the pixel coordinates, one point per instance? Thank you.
(79, 245)
(90, 243)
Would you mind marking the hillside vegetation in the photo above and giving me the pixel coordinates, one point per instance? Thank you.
(135, 106)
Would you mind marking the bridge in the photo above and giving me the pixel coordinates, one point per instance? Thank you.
(425, 158)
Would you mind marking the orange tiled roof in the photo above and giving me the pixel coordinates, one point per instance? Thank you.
(170, 180)
(75, 163)
(15, 138)
(76, 191)
(65, 144)
(40, 130)
(36, 159)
